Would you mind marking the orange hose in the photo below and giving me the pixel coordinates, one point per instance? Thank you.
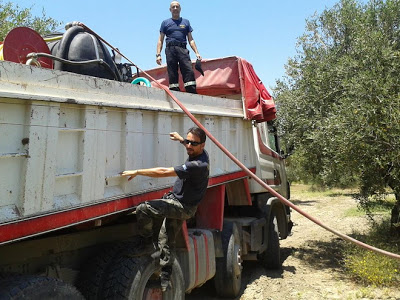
(268, 188)
(251, 174)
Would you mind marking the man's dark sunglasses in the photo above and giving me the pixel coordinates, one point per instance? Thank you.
(186, 142)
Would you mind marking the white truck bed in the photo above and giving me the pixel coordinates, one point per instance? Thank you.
(65, 137)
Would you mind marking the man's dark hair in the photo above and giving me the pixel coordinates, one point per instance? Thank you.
(198, 132)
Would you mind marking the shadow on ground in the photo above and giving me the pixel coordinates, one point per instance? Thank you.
(352, 195)
(319, 254)
(303, 202)
(251, 272)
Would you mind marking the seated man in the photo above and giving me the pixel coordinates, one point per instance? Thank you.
(176, 206)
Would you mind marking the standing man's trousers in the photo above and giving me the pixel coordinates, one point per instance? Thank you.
(179, 57)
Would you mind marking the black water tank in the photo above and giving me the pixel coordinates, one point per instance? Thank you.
(78, 45)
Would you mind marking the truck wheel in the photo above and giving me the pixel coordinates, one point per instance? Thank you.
(271, 257)
(94, 273)
(138, 278)
(228, 276)
(37, 288)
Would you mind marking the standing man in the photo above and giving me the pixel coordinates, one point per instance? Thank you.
(176, 206)
(178, 32)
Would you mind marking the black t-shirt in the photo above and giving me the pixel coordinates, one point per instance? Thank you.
(191, 185)
(176, 30)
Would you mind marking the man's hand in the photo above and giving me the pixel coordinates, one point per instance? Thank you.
(198, 56)
(175, 136)
(132, 174)
(159, 60)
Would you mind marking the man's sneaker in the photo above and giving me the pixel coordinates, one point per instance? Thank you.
(165, 278)
(165, 285)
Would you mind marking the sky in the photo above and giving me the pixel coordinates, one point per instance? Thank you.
(263, 32)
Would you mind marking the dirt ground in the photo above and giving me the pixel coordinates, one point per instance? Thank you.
(311, 263)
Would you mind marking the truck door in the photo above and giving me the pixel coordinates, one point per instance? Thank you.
(271, 165)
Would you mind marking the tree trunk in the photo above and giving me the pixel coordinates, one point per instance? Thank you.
(395, 218)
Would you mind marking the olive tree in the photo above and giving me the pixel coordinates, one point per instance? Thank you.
(12, 16)
(339, 103)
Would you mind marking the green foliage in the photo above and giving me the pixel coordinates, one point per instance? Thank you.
(369, 267)
(339, 104)
(12, 16)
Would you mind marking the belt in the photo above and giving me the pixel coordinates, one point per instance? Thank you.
(169, 195)
(190, 210)
(182, 45)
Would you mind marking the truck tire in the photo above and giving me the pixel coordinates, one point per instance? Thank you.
(37, 288)
(271, 257)
(94, 273)
(137, 278)
(228, 276)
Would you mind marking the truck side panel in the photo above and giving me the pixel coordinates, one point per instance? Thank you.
(65, 151)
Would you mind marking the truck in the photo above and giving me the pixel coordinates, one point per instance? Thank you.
(67, 129)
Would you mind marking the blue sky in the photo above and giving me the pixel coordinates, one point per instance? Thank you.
(264, 32)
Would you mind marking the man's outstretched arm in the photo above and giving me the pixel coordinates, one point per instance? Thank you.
(152, 172)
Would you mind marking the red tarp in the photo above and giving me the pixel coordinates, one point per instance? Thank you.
(229, 77)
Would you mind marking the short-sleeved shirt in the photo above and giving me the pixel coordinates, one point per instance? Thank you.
(191, 184)
(176, 30)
